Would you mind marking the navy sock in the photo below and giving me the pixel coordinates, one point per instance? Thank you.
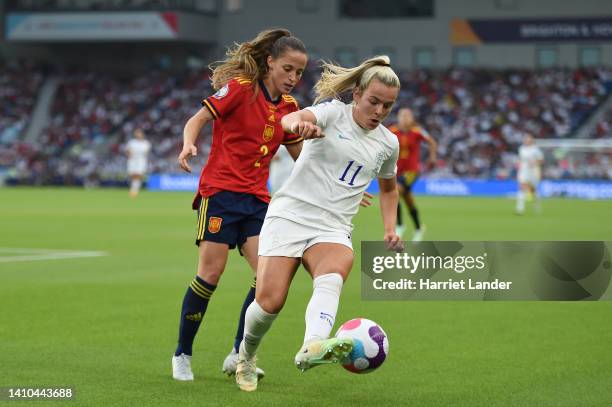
(399, 214)
(247, 301)
(414, 214)
(194, 307)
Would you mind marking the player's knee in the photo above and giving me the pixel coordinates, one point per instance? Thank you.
(210, 272)
(270, 302)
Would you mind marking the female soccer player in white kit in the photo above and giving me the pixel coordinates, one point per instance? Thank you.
(309, 219)
(529, 173)
(137, 150)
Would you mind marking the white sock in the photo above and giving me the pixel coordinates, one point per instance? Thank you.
(135, 186)
(538, 204)
(256, 323)
(323, 306)
(520, 201)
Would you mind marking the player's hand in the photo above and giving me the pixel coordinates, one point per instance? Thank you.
(366, 199)
(307, 130)
(430, 165)
(189, 150)
(393, 242)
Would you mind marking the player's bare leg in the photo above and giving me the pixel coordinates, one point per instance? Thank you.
(212, 260)
(274, 276)
(536, 198)
(329, 265)
(249, 251)
(521, 196)
(419, 229)
(135, 185)
(401, 227)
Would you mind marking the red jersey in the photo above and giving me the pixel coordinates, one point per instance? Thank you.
(246, 135)
(410, 147)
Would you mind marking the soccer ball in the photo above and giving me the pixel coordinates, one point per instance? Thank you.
(370, 345)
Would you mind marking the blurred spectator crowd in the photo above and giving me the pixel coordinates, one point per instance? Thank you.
(478, 117)
(604, 126)
(94, 5)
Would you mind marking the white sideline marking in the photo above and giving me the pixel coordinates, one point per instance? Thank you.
(25, 254)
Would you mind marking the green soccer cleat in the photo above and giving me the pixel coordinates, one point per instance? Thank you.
(325, 351)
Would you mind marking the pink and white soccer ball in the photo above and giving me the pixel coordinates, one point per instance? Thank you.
(370, 345)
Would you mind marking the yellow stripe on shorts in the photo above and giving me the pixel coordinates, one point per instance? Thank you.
(202, 218)
(409, 176)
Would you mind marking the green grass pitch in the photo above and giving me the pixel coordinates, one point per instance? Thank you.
(108, 325)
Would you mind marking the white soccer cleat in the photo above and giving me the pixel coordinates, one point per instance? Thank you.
(181, 367)
(399, 230)
(246, 371)
(419, 234)
(230, 362)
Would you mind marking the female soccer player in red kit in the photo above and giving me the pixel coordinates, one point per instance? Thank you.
(410, 135)
(253, 85)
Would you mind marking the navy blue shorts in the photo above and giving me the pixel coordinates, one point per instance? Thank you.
(230, 217)
(407, 180)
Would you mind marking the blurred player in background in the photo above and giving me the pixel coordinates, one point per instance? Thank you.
(137, 150)
(280, 169)
(252, 86)
(410, 135)
(529, 174)
(310, 219)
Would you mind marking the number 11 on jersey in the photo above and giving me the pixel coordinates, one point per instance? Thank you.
(346, 171)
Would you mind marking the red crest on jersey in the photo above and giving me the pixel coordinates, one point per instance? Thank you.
(214, 224)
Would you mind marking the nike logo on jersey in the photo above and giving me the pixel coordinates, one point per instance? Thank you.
(340, 136)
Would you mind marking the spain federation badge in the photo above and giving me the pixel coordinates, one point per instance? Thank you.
(268, 133)
(214, 224)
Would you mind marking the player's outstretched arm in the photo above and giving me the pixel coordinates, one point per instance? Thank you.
(303, 122)
(388, 209)
(190, 135)
(433, 151)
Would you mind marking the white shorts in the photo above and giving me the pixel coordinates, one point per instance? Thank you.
(281, 237)
(531, 178)
(136, 167)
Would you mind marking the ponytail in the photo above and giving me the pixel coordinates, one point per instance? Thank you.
(335, 79)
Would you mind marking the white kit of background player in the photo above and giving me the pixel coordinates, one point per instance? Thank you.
(137, 150)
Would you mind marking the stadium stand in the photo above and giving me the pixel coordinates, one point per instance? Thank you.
(478, 116)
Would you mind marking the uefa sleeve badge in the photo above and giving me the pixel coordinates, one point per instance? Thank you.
(221, 93)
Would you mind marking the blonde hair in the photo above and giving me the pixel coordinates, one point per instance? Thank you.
(335, 79)
(250, 59)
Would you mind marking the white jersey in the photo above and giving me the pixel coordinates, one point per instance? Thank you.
(529, 168)
(280, 169)
(138, 151)
(331, 173)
